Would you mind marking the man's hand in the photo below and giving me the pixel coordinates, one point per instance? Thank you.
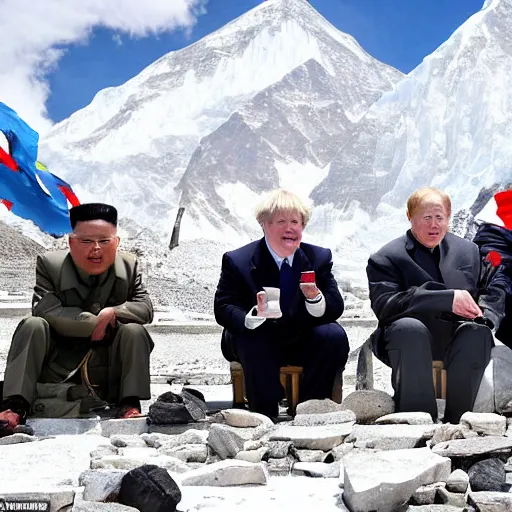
(309, 290)
(464, 305)
(261, 301)
(105, 316)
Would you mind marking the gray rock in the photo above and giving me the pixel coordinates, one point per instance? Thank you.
(17, 438)
(340, 451)
(311, 455)
(473, 446)
(190, 436)
(128, 463)
(407, 418)
(103, 451)
(227, 473)
(126, 427)
(318, 407)
(101, 485)
(390, 437)
(243, 418)
(454, 499)
(487, 475)
(123, 441)
(187, 452)
(61, 426)
(263, 432)
(254, 456)
(458, 481)
(426, 494)
(226, 441)
(278, 449)
(488, 424)
(385, 480)
(450, 432)
(435, 508)
(317, 469)
(328, 418)
(369, 405)
(280, 467)
(491, 501)
(93, 506)
(253, 445)
(313, 438)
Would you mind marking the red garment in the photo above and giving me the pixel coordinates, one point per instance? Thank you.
(504, 211)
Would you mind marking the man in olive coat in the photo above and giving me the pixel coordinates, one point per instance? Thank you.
(89, 302)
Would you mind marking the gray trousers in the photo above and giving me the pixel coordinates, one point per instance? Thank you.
(408, 344)
(120, 369)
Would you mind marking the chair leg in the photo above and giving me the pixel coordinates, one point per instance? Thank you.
(337, 388)
(237, 379)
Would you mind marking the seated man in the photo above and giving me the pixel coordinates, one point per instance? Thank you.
(307, 333)
(423, 290)
(90, 298)
(498, 238)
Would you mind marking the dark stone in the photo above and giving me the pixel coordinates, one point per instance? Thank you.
(166, 413)
(195, 406)
(149, 488)
(170, 398)
(487, 475)
(196, 393)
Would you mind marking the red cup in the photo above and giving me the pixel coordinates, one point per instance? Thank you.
(307, 277)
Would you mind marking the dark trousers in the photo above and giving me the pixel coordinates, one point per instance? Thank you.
(122, 367)
(321, 352)
(408, 345)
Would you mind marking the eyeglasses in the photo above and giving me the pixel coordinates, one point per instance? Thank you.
(89, 242)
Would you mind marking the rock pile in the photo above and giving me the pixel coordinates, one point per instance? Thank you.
(395, 461)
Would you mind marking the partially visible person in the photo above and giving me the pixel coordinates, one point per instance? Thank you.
(424, 290)
(307, 333)
(497, 238)
(89, 305)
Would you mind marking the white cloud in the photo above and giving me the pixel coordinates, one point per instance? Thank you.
(35, 33)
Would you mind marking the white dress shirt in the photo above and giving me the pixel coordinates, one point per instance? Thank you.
(316, 308)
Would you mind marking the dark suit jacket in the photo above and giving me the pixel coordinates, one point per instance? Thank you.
(247, 270)
(400, 288)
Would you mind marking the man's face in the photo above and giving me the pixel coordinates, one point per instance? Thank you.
(429, 223)
(93, 246)
(284, 232)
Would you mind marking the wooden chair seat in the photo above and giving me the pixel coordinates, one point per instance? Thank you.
(364, 372)
(290, 377)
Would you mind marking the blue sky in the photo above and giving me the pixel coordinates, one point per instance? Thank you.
(398, 32)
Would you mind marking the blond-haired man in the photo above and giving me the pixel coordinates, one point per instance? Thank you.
(306, 333)
(424, 292)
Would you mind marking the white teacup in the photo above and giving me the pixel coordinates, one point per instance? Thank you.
(273, 309)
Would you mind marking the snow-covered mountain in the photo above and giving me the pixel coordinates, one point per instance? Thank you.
(447, 124)
(281, 97)
(269, 95)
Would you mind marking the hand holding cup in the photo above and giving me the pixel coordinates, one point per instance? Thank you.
(308, 284)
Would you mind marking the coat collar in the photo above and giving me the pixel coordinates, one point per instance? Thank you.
(70, 279)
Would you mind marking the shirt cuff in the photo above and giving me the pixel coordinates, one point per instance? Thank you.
(316, 309)
(251, 321)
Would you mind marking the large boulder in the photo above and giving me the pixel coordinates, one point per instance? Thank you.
(369, 405)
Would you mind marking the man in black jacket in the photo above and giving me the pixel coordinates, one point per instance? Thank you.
(424, 292)
(303, 330)
(498, 238)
